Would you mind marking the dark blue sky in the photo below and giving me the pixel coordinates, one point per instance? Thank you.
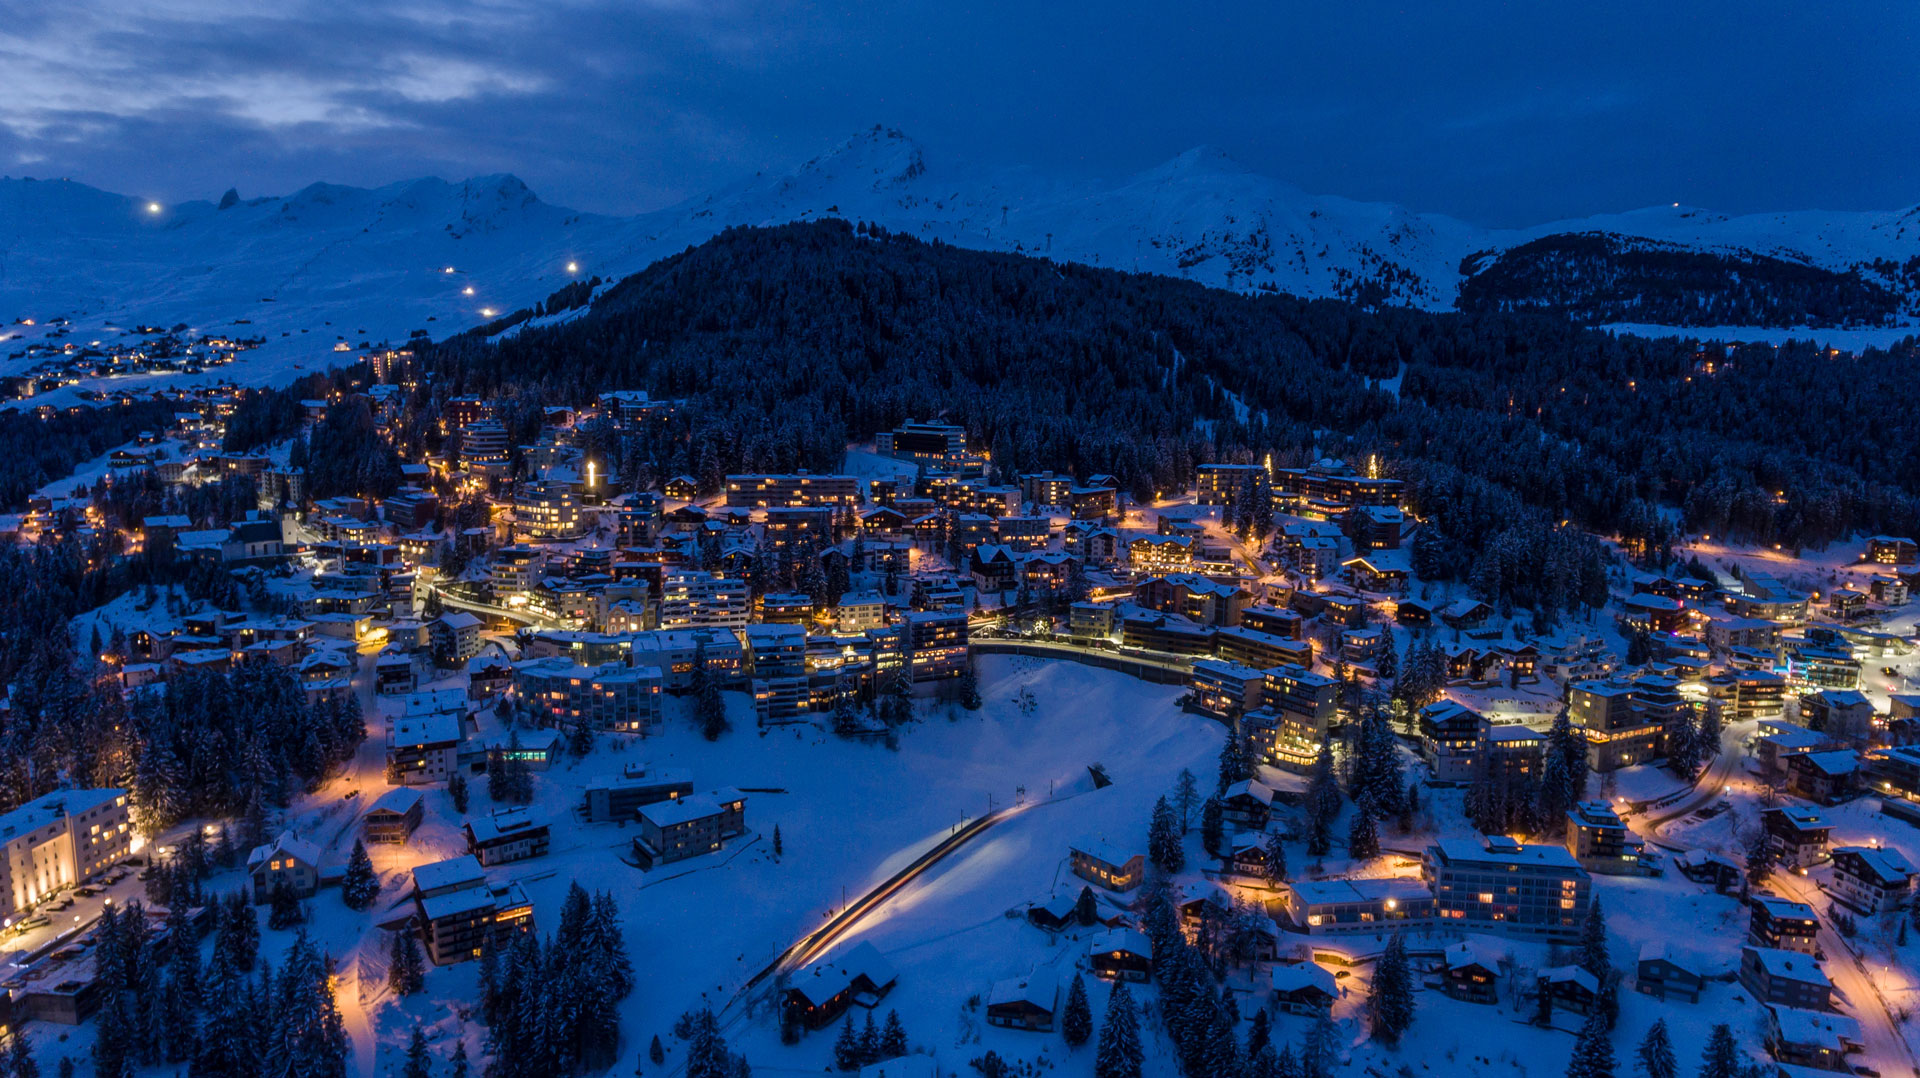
(1502, 113)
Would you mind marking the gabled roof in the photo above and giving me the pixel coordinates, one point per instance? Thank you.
(1039, 989)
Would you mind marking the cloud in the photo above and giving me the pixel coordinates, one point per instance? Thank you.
(1503, 113)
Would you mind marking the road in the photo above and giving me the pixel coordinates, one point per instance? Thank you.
(1711, 785)
(810, 946)
(1886, 1050)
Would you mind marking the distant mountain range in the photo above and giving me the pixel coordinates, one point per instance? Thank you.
(334, 264)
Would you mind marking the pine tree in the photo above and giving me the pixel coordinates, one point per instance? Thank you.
(1323, 803)
(457, 1062)
(1593, 942)
(1120, 1054)
(1164, 847)
(1563, 778)
(970, 688)
(1655, 1055)
(1076, 1023)
(779, 847)
(419, 1062)
(20, 1062)
(1186, 795)
(1086, 909)
(1390, 1006)
(869, 1041)
(1276, 859)
(656, 1051)
(846, 1047)
(893, 1037)
(1592, 1050)
(406, 967)
(1259, 1035)
(283, 907)
(1320, 1050)
(1363, 838)
(359, 886)
(457, 791)
(1212, 826)
(1722, 1057)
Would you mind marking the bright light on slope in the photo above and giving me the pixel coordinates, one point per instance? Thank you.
(486, 312)
(573, 267)
(153, 207)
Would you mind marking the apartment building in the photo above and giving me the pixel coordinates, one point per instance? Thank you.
(60, 839)
(1505, 886)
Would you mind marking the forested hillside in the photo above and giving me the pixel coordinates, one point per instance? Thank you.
(789, 342)
(1596, 278)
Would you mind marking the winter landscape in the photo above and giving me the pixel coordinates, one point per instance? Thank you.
(900, 609)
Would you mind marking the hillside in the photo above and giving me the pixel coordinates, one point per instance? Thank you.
(787, 343)
(333, 265)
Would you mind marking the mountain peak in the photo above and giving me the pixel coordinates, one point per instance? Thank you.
(879, 157)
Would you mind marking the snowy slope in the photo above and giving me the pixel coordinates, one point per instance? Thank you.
(330, 263)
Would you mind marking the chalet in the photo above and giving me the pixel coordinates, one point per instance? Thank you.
(288, 860)
(1785, 978)
(1870, 879)
(993, 568)
(1602, 842)
(1465, 614)
(507, 835)
(1823, 777)
(688, 826)
(1660, 974)
(1247, 855)
(824, 990)
(1027, 1003)
(1783, 923)
(682, 488)
(1056, 913)
(1109, 866)
(1573, 988)
(393, 818)
(1247, 804)
(1121, 954)
(1382, 571)
(1324, 907)
(423, 748)
(1716, 870)
(1413, 613)
(1303, 988)
(1473, 971)
(1796, 836)
(1812, 1040)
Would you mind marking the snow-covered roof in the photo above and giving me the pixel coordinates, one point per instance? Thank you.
(1128, 940)
(399, 800)
(1038, 989)
(287, 845)
(1296, 976)
(1790, 965)
(454, 871)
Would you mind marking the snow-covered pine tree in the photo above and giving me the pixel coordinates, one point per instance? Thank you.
(1076, 1022)
(1390, 1005)
(893, 1037)
(1721, 1059)
(1120, 1054)
(1323, 802)
(457, 790)
(359, 886)
(1186, 796)
(1163, 842)
(1276, 858)
(406, 967)
(1592, 1051)
(1212, 826)
(1363, 838)
(419, 1061)
(1593, 942)
(846, 1047)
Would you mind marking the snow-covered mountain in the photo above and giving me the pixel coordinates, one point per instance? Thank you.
(332, 264)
